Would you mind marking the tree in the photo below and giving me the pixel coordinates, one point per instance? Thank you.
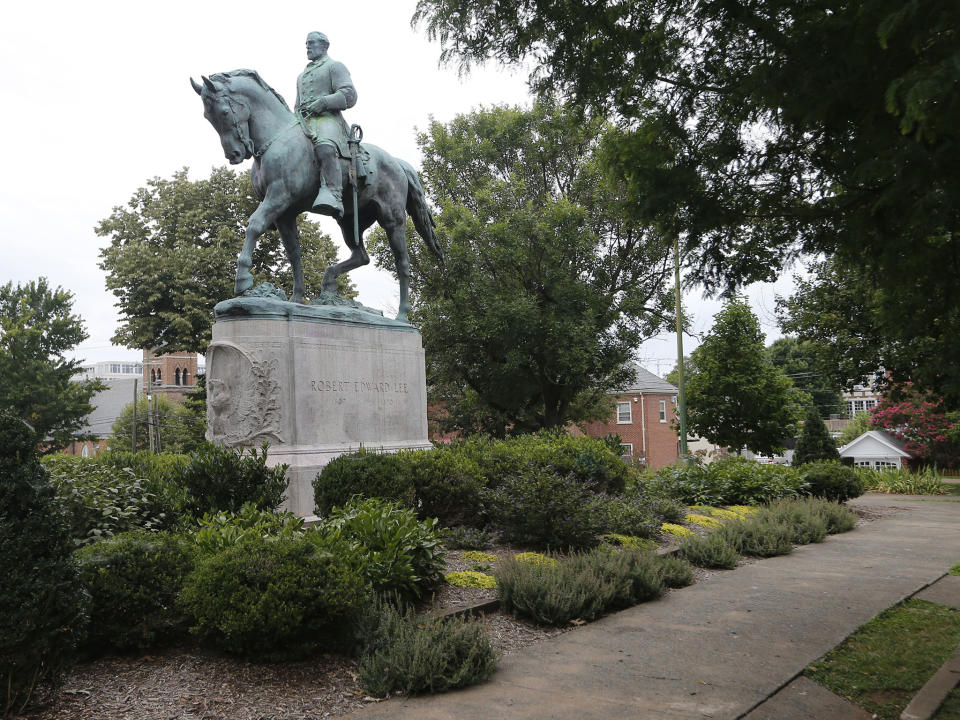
(37, 330)
(766, 129)
(930, 433)
(857, 426)
(172, 257)
(176, 428)
(809, 366)
(814, 442)
(548, 285)
(736, 398)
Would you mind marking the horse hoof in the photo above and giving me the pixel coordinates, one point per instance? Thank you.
(243, 283)
(402, 317)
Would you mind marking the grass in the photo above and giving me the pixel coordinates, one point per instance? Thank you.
(886, 661)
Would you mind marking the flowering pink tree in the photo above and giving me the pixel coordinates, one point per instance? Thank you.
(929, 432)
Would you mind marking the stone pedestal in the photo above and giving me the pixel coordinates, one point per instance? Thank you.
(314, 384)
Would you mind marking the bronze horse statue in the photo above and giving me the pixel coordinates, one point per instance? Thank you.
(253, 120)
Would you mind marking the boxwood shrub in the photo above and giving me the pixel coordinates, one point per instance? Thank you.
(364, 473)
(220, 478)
(832, 481)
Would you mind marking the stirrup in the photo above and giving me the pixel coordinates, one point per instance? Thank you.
(329, 202)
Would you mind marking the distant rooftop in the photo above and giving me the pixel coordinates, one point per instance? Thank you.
(647, 382)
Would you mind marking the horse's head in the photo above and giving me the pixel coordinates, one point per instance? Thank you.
(229, 116)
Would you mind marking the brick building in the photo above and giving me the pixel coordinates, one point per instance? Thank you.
(173, 375)
(643, 416)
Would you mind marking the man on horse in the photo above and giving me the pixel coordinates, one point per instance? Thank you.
(324, 89)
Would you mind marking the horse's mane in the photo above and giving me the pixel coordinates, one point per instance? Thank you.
(253, 75)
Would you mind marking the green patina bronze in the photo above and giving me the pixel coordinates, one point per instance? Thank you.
(301, 163)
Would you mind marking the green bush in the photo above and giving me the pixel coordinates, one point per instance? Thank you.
(804, 522)
(464, 537)
(582, 587)
(630, 515)
(832, 481)
(42, 605)
(134, 579)
(275, 598)
(364, 473)
(216, 532)
(404, 653)
(403, 555)
(757, 537)
(730, 481)
(676, 571)
(163, 468)
(100, 500)
(927, 481)
(447, 485)
(541, 509)
(837, 518)
(219, 478)
(814, 442)
(710, 551)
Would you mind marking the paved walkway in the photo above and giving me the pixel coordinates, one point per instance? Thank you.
(730, 647)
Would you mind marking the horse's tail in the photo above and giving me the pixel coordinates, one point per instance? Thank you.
(419, 210)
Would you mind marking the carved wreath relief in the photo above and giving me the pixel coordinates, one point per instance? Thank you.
(243, 397)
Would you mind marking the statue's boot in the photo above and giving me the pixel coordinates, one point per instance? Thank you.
(329, 202)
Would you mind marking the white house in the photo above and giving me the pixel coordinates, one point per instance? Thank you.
(876, 449)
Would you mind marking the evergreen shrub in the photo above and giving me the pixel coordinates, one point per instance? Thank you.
(832, 481)
(837, 518)
(710, 551)
(805, 524)
(814, 442)
(447, 485)
(402, 555)
(405, 653)
(364, 473)
(133, 580)
(464, 537)
(629, 515)
(42, 605)
(220, 478)
(759, 536)
(676, 571)
(276, 598)
(730, 481)
(541, 509)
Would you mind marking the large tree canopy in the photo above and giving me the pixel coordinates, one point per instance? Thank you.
(764, 129)
(172, 257)
(548, 287)
(37, 330)
(811, 366)
(736, 398)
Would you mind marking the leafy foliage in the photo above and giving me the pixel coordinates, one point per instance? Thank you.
(275, 598)
(464, 537)
(216, 532)
(832, 481)
(710, 551)
(759, 536)
(134, 579)
(402, 555)
(366, 473)
(814, 442)
(404, 653)
(178, 428)
(730, 481)
(927, 481)
(548, 284)
(220, 478)
(809, 365)
(37, 330)
(930, 434)
(42, 606)
(172, 257)
(736, 398)
(857, 426)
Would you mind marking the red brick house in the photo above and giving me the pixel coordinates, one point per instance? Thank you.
(643, 416)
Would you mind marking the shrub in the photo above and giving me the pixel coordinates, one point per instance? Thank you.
(447, 484)
(837, 518)
(466, 538)
(728, 481)
(583, 587)
(703, 521)
(629, 515)
(100, 500)
(219, 478)
(402, 554)
(216, 532)
(676, 571)
(832, 481)
(711, 551)
(757, 537)
(275, 598)
(409, 654)
(541, 509)
(42, 606)
(134, 579)
(814, 442)
(805, 524)
(364, 473)
(927, 481)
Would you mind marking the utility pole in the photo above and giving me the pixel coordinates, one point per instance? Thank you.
(150, 421)
(681, 397)
(133, 431)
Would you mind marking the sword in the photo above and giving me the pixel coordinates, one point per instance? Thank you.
(356, 135)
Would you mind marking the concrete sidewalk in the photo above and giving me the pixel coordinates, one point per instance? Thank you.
(722, 648)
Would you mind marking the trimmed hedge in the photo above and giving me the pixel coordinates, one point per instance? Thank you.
(832, 481)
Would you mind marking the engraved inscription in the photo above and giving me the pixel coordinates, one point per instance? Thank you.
(359, 386)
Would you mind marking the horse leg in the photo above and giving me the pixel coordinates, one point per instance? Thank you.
(287, 227)
(262, 220)
(358, 253)
(397, 235)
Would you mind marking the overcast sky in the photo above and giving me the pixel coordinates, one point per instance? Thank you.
(97, 100)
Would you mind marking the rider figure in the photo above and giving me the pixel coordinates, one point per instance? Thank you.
(324, 88)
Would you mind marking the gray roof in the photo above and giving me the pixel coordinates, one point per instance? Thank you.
(647, 382)
(881, 436)
(107, 406)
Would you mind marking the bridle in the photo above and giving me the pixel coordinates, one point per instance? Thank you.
(242, 129)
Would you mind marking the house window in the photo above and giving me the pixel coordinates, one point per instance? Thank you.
(624, 413)
(858, 406)
(850, 407)
(115, 368)
(176, 376)
(626, 450)
(663, 411)
(870, 404)
(85, 451)
(184, 377)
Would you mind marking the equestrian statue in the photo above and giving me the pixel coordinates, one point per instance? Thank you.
(303, 160)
